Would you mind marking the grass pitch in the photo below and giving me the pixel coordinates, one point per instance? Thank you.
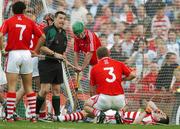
(74, 125)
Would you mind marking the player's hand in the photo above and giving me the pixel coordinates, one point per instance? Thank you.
(33, 53)
(77, 69)
(58, 56)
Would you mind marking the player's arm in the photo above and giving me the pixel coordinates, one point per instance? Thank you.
(131, 76)
(140, 118)
(87, 59)
(92, 90)
(40, 43)
(76, 60)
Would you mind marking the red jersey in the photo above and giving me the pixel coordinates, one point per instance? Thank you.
(89, 44)
(34, 39)
(107, 76)
(19, 29)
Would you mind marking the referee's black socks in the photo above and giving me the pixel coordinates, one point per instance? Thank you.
(39, 102)
(56, 104)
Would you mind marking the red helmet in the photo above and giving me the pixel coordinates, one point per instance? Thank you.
(49, 16)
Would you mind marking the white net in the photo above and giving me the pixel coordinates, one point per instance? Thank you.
(137, 33)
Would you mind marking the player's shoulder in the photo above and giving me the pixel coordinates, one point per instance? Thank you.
(116, 61)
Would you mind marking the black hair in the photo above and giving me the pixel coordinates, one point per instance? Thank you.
(116, 34)
(164, 120)
(59, 12)
(89, 14)
(169, 54)
(172, 31)
(103, 35)
(127, 30)
(18, 7)
(102, 52)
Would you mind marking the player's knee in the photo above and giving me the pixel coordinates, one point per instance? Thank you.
(43, 92)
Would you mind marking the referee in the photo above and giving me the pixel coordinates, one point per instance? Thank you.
(50, 70)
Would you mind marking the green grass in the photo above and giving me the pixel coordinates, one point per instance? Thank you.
(74, 125)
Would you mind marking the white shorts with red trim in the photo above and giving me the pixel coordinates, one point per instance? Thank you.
(106, 102)
(35, 72)
(19, 61)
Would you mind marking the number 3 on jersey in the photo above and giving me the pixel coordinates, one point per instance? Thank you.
(111, 73)
(22, 27)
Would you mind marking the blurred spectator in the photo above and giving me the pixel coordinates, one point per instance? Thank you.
(95, 8)
(106, 17)
(143, 19)
(175, 84)
(90, 22)
(107, 28)
(148, 81)
(116, 50)
(165, 74)
(7, 9)
(103, 39)
(172, 45)
(116, 8)
(176, 8)
(160, 23)
(161, 51)
(140, 58)
(169, 12)
(127, 43)
(120, 27)
(141, 42)
(79, 12)
(152, 7)
(131, 4)
(128, 16)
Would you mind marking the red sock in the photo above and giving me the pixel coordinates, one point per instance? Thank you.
(74, 116)
(11, 98)
(42, 114)
(31, 98)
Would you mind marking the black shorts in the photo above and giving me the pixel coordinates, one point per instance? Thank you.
(50, 72)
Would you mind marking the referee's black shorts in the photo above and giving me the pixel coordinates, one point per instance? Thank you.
(50, 72)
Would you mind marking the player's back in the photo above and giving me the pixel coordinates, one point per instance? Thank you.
(19, 29)
(107, 75)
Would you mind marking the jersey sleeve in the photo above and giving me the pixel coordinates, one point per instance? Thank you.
(4, 28)
(76, 48)
(37, 30)
(92, 44)
(126, 70)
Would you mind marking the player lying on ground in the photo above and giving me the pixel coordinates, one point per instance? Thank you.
(151, 115)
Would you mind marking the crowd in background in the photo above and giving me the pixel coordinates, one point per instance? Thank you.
(145, 34)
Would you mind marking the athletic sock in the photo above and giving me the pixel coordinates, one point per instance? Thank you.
(31, 98)
(56, 104)
(39, 102)
(72, 117)
(11, 98)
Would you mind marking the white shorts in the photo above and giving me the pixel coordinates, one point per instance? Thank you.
(3, 79)
(19, 61)
(106, 102)
(35, 72)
